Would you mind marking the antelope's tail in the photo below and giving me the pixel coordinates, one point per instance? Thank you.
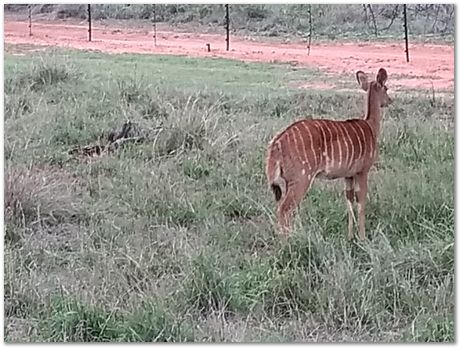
(274, 171)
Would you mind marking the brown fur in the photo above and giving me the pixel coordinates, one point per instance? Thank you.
(327, 149)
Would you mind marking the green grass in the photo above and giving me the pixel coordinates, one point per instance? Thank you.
(175, 240)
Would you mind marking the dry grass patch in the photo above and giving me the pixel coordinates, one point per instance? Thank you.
(41, 196)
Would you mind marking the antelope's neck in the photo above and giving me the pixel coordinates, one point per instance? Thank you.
(372, 111)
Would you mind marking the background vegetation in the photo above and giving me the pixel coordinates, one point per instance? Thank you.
(330, 21)
(174, 240)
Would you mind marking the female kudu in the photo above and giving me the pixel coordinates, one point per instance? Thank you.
(328, 149)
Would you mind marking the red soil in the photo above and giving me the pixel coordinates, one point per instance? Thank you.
(430, 65)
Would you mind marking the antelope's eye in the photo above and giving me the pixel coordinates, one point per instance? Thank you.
(386, 88)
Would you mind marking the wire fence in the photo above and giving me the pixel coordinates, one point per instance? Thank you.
(309, 22)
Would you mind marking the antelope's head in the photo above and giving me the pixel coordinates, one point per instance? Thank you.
(377, 87)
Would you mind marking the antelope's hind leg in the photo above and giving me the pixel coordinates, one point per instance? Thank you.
(296, 190)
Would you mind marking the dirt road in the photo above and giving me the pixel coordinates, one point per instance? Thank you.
(430, 65)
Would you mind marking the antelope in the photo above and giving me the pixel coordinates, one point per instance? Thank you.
(328, 149)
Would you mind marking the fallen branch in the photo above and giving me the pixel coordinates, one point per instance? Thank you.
(119, 142)
(129, 133)
(88, 150)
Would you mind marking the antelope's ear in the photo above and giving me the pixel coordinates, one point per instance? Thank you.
(362, 80)
(382, 76)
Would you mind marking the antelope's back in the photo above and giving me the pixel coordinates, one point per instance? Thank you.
(348, 147)
(329, 148)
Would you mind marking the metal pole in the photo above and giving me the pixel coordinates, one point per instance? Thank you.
(154, 25)
(30, 20)
(309, 35)
(89, 22)
(405, 33)
(227, 24)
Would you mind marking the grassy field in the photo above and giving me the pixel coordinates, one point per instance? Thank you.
(175, 239)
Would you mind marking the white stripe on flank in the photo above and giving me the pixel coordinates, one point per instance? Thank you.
(371, 152)
(327, 126)
(294, 145)
(337, 141)
(323, 136)
(304, 149)
(364, 137)
(340, 126)
(339, 138)
(313, 151)
(350, 142)
(357, 137)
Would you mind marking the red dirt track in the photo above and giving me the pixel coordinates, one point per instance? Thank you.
(430, 65)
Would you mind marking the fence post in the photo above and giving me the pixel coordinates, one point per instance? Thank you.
(227, 24)
(154, 25)
(309, 22)
(30, 20)
(405, 33)
(89, 22)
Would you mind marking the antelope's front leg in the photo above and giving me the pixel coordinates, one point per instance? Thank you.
(361, 192)
(350, 196)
